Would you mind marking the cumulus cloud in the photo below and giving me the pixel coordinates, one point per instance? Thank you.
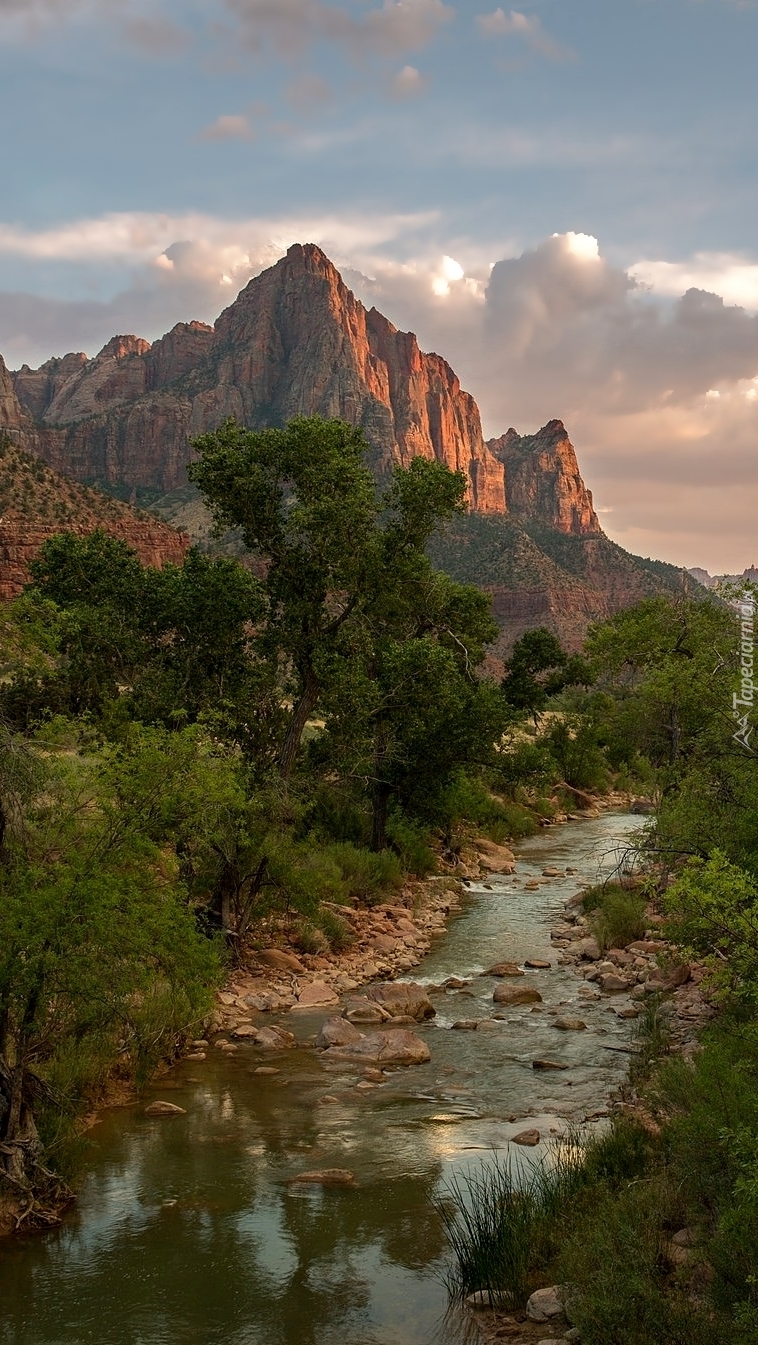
(408, 82)
(528, 27)
(733, 276)
(293, 26)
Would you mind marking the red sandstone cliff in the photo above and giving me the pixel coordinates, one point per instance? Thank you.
(543, 481)
(296, 341)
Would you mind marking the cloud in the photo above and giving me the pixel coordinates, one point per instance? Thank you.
(731, 275)
(527, 27)
(234, 127)
(158, 38)
(292, 27)
(308, 92)
(408, 82)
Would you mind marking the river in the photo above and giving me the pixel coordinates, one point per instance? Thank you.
(186, 1231)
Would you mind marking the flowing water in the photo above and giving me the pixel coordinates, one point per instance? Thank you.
(186, 1231)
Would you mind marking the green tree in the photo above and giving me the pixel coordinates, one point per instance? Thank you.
(100, 956)
(538, 668)
(338, 557)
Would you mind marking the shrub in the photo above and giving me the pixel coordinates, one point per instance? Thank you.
(515, 823)
(411, 844)
(617, 914)
(309, 939)
(367, 876)
(338, 931)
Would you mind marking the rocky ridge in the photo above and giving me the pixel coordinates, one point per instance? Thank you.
(296, 341)
(36, 503)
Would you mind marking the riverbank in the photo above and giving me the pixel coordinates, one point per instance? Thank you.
(385, 941)
(346, 1262)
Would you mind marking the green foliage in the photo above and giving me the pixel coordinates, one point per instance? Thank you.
(410, 842)
(538, 668)
(368, 876)
(125, 642)
(713, 908)
(575, 749)
(504, 1222)
(100, 955)
(617, 914)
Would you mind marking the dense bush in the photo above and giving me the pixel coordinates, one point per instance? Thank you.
(617, 914)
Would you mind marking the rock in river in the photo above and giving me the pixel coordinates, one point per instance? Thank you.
(337, 1032)
(517, 994)
(326, 1177)
(160, 1108)
(530, 1138)
(504, 969)
(397, 1046)
(402, 999)
(314, 994)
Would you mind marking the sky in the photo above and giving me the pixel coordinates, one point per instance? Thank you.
(560, 199)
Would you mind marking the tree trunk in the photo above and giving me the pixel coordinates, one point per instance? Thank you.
(380, 794)
(674, 733)
(307, 702)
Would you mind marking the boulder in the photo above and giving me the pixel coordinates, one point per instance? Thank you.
(495, 858)
(337, 1032)
(545, 1304)
(245, 1030)
(160, 1108)
(678, 976)
(504, 969)
(529, 1138)
(611, 984)
(552, 872)
(537, 964)
(465, 1025)
(396, 1046)
(360, 1010)
(570, 1024)
(589, 949)
(274, 1039)
(402, 999)
(516, 994)
(277, 959)
(314, 994)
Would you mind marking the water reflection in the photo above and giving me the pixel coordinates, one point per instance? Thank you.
(187, 1230)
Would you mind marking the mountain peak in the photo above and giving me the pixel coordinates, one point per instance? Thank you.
(543, 481)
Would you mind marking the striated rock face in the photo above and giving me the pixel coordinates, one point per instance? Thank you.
(296, 341)
(543, 481)
(36, 503)
(12, 416)
(37, 388)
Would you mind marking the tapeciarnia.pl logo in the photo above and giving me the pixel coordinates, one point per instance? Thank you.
(743, 702)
